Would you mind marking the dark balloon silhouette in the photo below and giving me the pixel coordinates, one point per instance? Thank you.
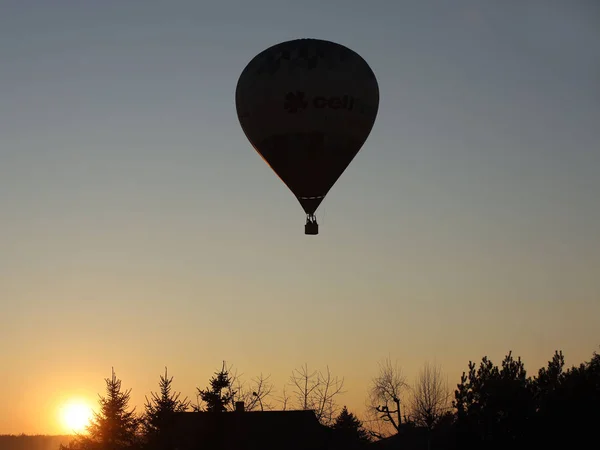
(307, 106)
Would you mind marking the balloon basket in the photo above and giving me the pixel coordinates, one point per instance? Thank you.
(311, 227)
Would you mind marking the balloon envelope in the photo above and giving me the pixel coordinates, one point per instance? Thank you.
(307, 106)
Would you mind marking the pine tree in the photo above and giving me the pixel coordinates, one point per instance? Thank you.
(114, 427)
(219, 394)
(349, 431)
(159, 411)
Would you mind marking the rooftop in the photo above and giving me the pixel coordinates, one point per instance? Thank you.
(249, 430)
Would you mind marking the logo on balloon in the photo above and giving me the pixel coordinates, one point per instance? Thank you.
(295, 101)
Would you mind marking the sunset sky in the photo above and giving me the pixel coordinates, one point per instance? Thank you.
(141, 230)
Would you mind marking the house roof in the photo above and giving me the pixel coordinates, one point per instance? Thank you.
(249, 430)
(411, 438)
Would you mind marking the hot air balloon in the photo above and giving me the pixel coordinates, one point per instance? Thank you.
(307, 107)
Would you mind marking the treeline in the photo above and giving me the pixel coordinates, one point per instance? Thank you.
(116, 426)
(32, 442)
(495, 406)
(502, 407)
(492, 407)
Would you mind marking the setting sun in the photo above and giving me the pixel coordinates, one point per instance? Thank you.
(75, 416)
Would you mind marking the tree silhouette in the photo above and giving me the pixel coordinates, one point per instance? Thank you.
(159, 410)
(219, 393)
(349, 431)
(114, 427)
(254, 394)
(385, 398)
(494, 407)
(494, 404)
(567, 402)
(431, 396)
(500, 407)
(316, 391)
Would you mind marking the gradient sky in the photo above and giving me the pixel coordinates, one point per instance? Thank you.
(140, 229)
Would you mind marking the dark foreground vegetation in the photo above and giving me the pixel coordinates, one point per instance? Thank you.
(493, 407)
(33, 442)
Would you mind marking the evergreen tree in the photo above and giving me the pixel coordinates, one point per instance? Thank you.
(159, 412)
(220, 393)
(494, 404)
(567, 403)
(115, 427)
(501, 407)
(348, 430)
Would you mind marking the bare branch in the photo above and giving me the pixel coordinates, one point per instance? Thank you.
(259, 391)
(254, 394)
(284, 399)
(386, 393)
(316, 391)
(304, 385)
(431, 396)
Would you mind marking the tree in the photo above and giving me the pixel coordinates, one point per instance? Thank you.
(386, 392)
(284, 399)
(566, 401)
(228, 387)
(431, 396)
(316, 391)
(348, 431)
(494, 404)
(501, 407)
(159, 412)
(115, 427)
(254, 394)
(219, 394)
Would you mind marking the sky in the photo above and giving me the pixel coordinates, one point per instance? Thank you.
(140, 229)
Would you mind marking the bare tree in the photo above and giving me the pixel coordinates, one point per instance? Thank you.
(385, 398)
(284, 399)
(431, 396)
(316, 391)
(255, 393)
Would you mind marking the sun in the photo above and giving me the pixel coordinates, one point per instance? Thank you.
(75, 416)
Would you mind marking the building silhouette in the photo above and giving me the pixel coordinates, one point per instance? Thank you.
(249, 430)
